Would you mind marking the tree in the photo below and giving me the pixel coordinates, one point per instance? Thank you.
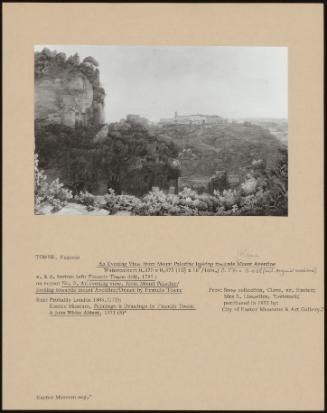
(74, 60)
(91, 60)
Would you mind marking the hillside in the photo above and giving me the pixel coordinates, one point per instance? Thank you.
(231, 147)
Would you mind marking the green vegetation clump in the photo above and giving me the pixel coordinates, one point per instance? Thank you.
(129, 158)
(46, 193)
(263, 192)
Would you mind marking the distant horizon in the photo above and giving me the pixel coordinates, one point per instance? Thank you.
(154, 82)
(243, 118)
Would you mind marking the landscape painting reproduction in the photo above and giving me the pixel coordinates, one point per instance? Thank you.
(161, 130)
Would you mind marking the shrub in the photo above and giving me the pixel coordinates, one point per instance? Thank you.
(189, 203)
(53, 194)
(249, 186)
(87, 199)
(116, 203)
(228, 198)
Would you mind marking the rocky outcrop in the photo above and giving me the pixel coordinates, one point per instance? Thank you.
(102, 134)
(67, 92)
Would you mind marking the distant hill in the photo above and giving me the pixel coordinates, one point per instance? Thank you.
(231, 147)
(277, 127)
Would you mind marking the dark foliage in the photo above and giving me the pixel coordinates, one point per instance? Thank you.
(129, 159)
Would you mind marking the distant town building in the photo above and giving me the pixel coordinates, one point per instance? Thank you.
(197, 119)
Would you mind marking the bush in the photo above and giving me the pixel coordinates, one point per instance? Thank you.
(228, 198)
(189, 203)
(48, 194)
(249, 186)
(87, 199)
(116, 203)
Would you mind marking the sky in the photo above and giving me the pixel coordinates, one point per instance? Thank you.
(157, 81)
